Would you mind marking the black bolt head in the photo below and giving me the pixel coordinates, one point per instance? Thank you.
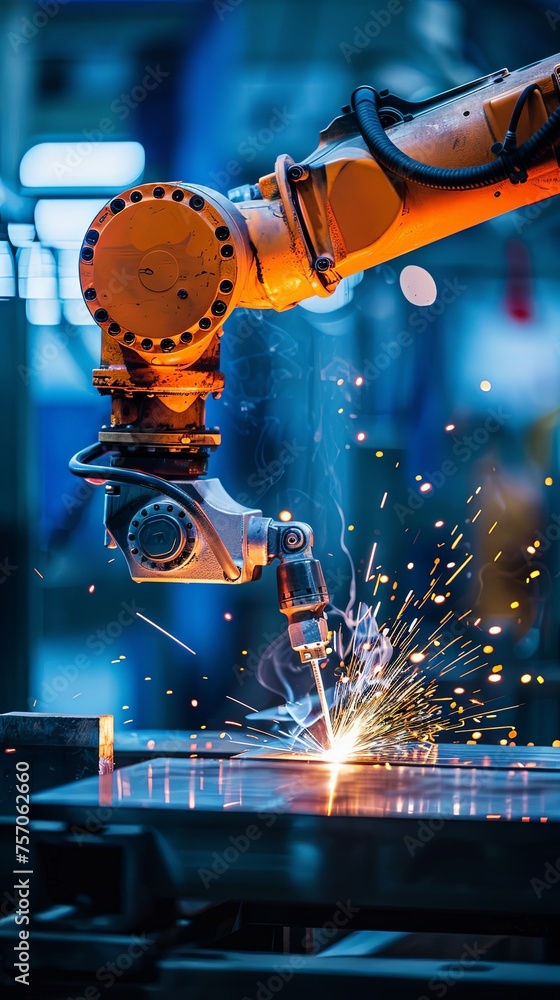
(296, 172)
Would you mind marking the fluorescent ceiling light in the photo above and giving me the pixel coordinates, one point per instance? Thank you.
(63, 222)
(37, 273)
(21, 234)
(43, 312)
(97, 164)
(7, 272)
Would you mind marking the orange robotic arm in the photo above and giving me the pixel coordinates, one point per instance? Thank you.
(345, 208)
(164, 265)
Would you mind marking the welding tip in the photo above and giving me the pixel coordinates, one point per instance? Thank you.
(323, 701)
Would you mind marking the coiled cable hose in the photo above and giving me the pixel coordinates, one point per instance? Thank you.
(511, 164)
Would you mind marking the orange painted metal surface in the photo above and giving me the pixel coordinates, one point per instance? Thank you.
(164, 265)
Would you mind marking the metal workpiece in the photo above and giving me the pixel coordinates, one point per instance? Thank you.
(150, 743)
(58, 748)
(411, 786)
(55, 729)
(411, 837)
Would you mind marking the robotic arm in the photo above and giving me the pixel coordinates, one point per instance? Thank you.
(163, 266)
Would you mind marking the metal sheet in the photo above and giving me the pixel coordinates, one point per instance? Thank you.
(315, 788)
(407, 838)
(150, 743)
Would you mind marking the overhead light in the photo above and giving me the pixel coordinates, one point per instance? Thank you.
(21, 234)
(87, 165)
(68, 274)
(43, 312)
(37, 273)
(62, 223)
(417, 285)
(7, 271)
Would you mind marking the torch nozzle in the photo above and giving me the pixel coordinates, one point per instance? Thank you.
(323, 701)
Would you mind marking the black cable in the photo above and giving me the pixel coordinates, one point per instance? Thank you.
(519, 105)
(508, 150)
(511, 164)
(81, 465)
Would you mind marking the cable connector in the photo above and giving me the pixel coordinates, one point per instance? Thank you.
(508, 152)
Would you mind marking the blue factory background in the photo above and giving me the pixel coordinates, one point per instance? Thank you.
(374, 422)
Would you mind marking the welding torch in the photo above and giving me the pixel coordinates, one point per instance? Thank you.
(192, 530)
